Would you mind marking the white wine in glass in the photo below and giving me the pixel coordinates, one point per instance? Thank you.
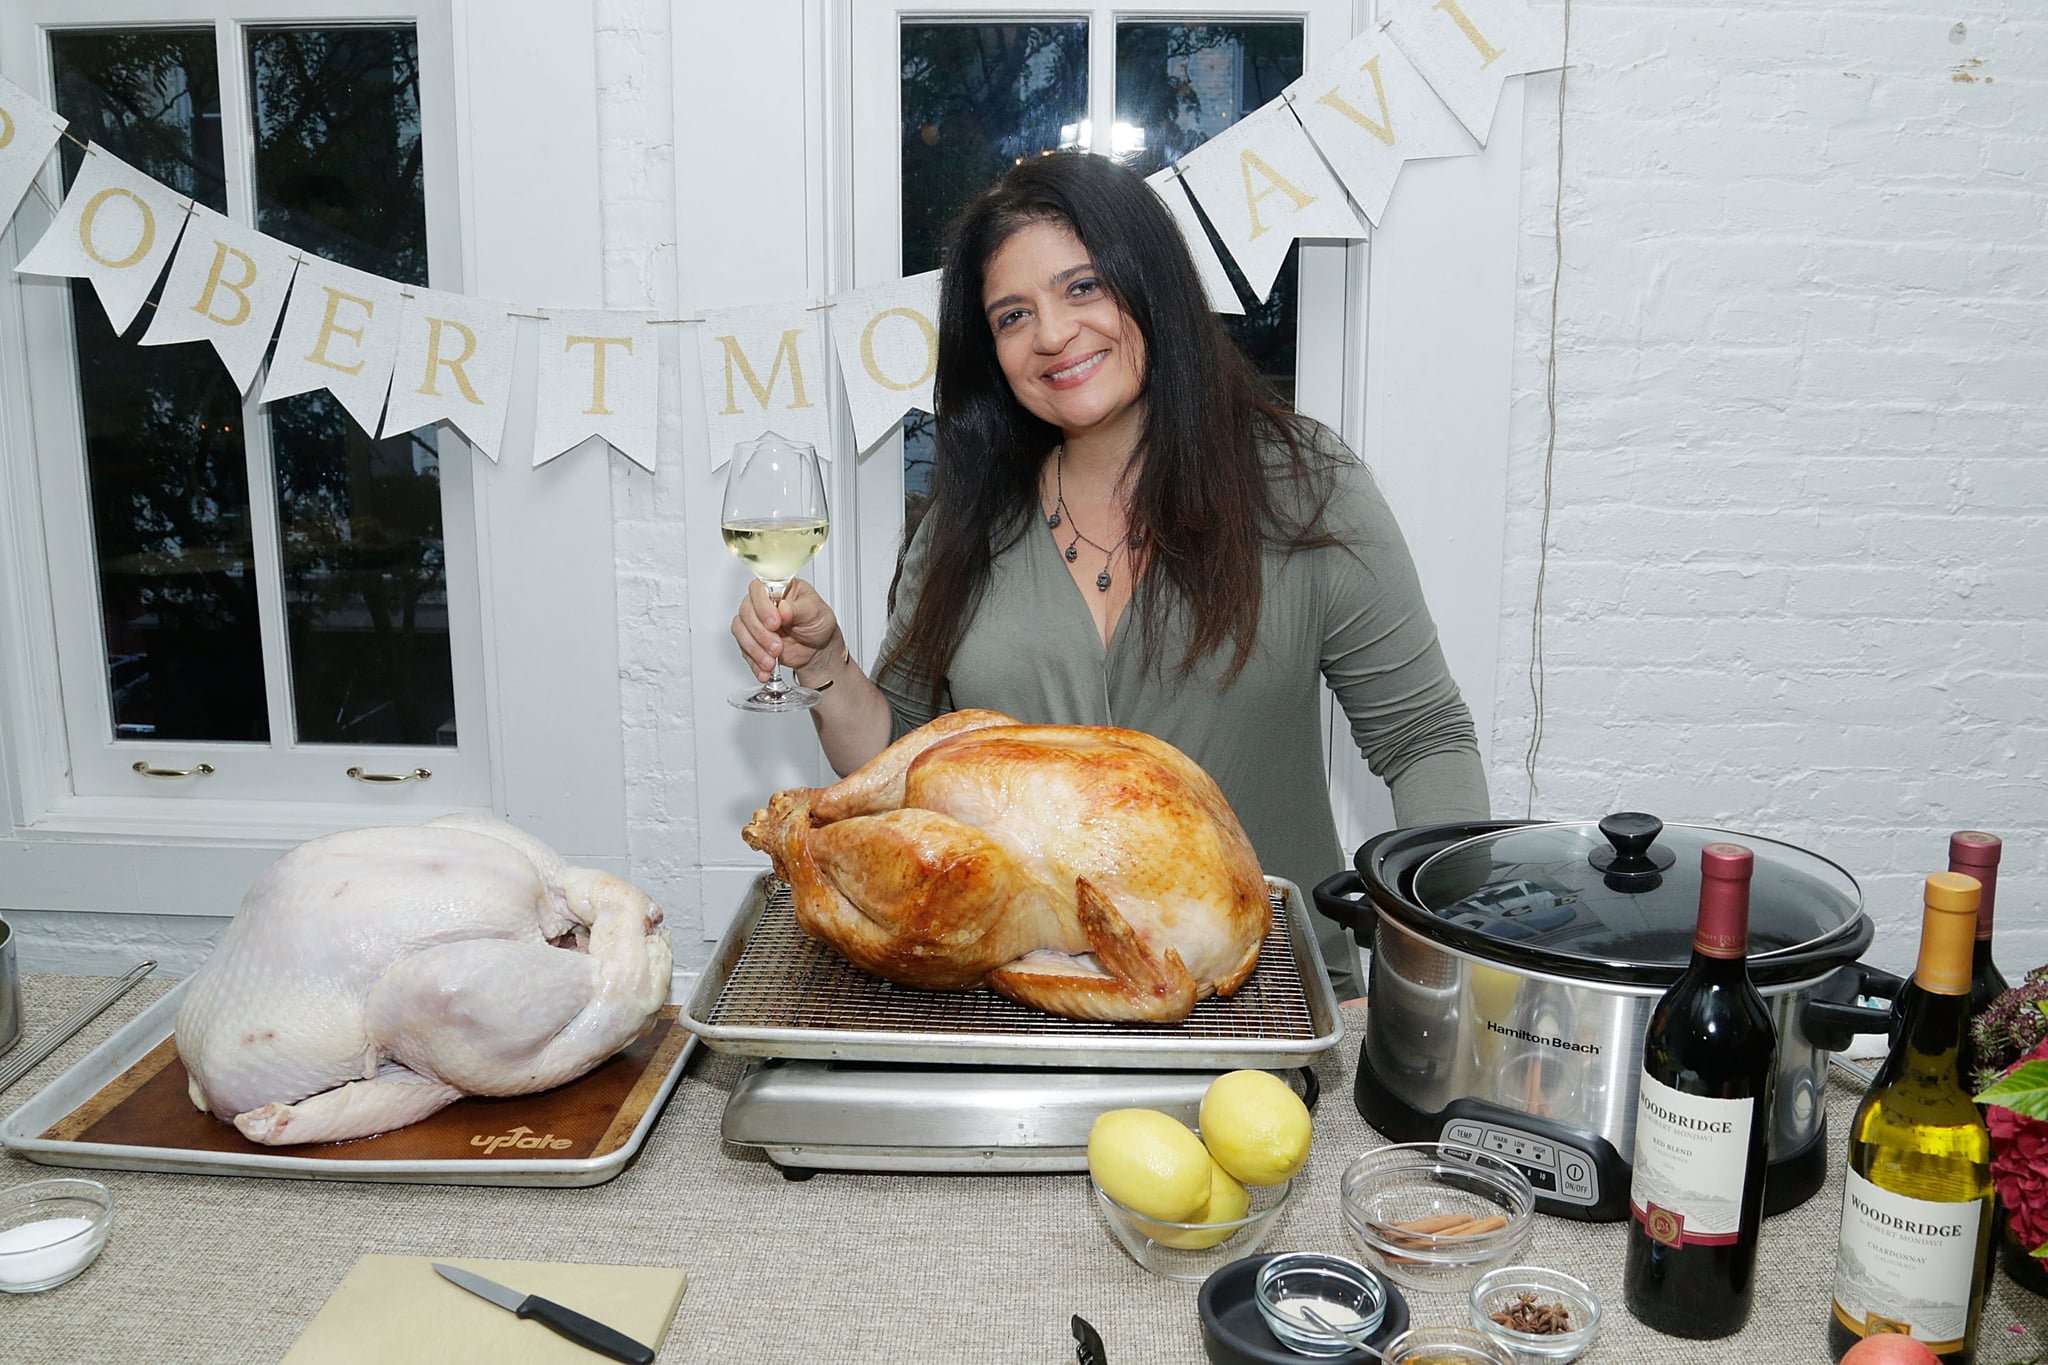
(774, 520)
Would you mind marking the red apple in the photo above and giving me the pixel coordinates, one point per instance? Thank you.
(1890, 1348)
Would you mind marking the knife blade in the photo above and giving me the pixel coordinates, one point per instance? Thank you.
(566, 1322)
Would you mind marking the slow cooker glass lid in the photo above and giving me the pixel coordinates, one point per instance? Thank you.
(1627, 889)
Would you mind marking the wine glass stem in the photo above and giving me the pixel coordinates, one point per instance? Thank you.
(775, 687)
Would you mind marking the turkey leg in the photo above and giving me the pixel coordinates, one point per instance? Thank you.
(1140, 983)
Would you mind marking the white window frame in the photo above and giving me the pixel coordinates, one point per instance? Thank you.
(280, 768)
(517, 121)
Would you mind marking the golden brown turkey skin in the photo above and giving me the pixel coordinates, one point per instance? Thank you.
(1089, 871)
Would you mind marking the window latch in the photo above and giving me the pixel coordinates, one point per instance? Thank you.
(417, 774)
(197, 770)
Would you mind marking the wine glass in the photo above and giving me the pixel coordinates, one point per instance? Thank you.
(774, 519)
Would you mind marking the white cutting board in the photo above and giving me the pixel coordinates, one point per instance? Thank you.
(394, 1310)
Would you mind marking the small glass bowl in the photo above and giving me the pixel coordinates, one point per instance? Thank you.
(1386, 1191)
(45, 1265)
(1445, 1346)
(1202, 1247)
(1499, 1288)
(1344, 1292)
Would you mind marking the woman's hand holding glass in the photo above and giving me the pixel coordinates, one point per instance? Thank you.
(774, 519)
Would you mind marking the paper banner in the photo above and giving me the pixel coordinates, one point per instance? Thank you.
(1263, 184)
(1466, 49)
(1215, 279)
(887, 339)
(340, 333)
(28, 130)
(763, 369)
(227, 285)
(1368, 109)
(599, 372)
(454, 365)
(116, 228)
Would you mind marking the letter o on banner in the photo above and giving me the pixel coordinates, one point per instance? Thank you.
(874, 367)
(146, 238)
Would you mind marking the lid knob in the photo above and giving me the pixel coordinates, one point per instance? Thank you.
(1632, 834)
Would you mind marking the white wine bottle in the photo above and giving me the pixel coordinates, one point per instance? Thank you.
(1915, 1253)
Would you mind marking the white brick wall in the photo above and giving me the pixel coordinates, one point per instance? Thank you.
(1798, 561)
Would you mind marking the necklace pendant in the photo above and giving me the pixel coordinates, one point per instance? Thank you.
(1053, 521)
(1137, 538)
(1102, 581)
(1072, 554)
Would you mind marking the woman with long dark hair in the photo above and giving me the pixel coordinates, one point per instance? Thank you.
(1126, 529)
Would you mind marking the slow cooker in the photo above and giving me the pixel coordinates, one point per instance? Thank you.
(1515, 965)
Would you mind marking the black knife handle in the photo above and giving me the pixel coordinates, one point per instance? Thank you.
(586, 1331)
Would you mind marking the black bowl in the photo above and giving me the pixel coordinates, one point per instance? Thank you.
(1234, 1332)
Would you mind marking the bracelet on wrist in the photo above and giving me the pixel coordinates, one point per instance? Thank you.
(845, 657)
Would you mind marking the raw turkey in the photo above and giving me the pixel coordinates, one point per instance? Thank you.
(1087, 871)
(373, 977)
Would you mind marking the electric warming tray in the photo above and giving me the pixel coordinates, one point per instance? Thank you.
(773, 991)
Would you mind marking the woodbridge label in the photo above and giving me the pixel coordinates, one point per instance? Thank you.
(1542, 1039)
(1691, 1154)
(1906, 1265)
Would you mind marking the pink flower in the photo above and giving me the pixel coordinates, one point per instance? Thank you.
(2019, 1166)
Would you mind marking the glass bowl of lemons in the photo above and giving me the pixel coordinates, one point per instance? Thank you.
(1192, 1251)
(1184, 1202)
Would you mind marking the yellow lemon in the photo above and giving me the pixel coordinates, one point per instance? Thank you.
(1255, 1126)
(1228, 1202)
(1150, 1163)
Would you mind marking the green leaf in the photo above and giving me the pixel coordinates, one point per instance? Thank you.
(2025, 1091)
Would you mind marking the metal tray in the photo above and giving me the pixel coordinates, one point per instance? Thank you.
(27, 1129)
(773, 991)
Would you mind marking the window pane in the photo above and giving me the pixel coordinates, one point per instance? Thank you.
(163, 424)
(337, 133)
(1177, 86)
(977, 98)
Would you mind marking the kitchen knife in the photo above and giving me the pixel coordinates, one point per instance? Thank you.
(567, 1322)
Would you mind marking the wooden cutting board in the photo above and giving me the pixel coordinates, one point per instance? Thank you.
(592, 1116)
(394, 1310)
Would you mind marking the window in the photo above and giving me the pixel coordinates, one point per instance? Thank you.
(976, 89)
(412, 607)
(258, 596)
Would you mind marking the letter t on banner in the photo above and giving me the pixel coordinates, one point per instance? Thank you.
(28, 130)
(599, 376)
(1467, 49)
(763, 369)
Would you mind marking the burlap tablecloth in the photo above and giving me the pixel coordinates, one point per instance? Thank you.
(221, 1270)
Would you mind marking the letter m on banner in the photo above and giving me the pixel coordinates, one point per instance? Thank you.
(762, 367)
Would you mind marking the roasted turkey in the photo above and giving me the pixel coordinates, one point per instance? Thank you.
(373, 977)
(1087, 871)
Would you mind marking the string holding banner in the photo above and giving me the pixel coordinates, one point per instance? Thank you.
(1319, 162)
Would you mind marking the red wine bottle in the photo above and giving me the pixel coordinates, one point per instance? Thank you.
(1696, 1198)
(1973, 853)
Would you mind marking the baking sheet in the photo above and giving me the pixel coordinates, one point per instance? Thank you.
(121, 1107)
(772, 991)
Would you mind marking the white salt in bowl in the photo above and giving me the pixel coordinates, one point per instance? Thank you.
(50, 1230)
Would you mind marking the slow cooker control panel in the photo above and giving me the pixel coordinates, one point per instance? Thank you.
(1575, 1174)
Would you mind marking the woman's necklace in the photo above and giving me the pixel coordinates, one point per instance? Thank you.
(1061, 513)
